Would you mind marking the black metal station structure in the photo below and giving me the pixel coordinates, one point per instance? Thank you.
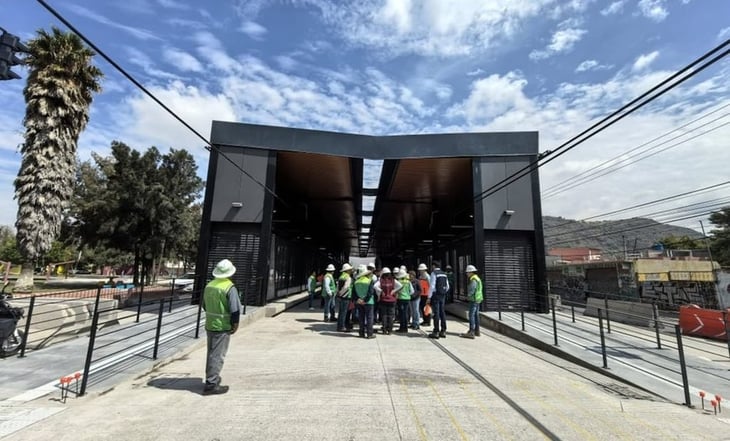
(281, 202)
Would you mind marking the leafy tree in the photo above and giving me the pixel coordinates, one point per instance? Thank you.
(58, 95)
(720, 244)
(8, 245)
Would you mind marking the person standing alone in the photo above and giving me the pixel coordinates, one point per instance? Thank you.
(475, 296)
(439, 288)
(312, 287)
(222, 313)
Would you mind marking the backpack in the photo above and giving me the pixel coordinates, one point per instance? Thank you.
(442, 284)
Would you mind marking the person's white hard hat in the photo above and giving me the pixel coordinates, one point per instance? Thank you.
(470, 269)
(371, 266)
(224, 269)
(346, 267)
(403, 269)
(422, 267)
(362, 270)
(330, 267)
(385, 270)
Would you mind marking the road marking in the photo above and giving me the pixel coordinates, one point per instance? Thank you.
(500, 428)
(421, 429)
(454, 422)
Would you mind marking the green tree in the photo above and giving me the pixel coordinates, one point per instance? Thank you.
(58, 94)
(720, 244)
(682, 243)
(8, 245)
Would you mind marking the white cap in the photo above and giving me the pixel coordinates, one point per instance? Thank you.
(330, 267)
(470, 269)
(422, 267)
(346, 267)
(224, 269)
(385, 270)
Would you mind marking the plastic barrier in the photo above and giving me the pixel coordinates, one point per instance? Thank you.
(710, 323)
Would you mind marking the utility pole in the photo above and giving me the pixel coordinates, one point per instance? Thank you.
(707, 244)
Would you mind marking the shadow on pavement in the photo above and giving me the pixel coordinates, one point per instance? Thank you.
(190, 384)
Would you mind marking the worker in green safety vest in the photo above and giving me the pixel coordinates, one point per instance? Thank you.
(222, 313)
(404, 299)
(475, 295)
(364, 296)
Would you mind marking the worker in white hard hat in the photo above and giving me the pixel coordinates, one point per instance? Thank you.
(387, 289)
(363, 295)
(329, 288)
(475, 296)
(344, 295)
(424, 279)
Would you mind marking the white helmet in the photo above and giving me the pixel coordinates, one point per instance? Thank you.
(330, 267)
(403, 269)
(422, 267)
(346, 267)
(470, 269)
(371, 266)
(362, 270)
(385, 270)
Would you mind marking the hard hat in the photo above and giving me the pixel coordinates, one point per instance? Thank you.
(470, 269)
(371, 265)
(362, 270)
(422, 267)
(330, 267)
(403, 269)
(346, 267)
(224, 269)
(385, 270)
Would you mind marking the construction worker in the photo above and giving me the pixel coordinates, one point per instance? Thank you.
(415, 303)
(439, 289)
(344, 295)
(450, 277)
(475, 296)
(222, 314)
(363, 294)
(311, 287)
(404, 299)
(329, 288)
(387, 288)
(423, 280)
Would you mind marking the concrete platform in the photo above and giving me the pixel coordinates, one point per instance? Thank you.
(293, 377)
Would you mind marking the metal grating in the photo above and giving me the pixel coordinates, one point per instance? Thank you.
(509, 269)
(242, 249)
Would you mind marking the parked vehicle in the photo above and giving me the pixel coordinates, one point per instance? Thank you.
(11, 338)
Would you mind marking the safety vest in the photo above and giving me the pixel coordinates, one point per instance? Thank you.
(362, 285)
(329, 280)
(478, 294)
(342, 280)
(215, 298)
(425, 286)
(311, 284)
(405, 293)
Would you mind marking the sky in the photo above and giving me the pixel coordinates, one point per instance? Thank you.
(389, 67)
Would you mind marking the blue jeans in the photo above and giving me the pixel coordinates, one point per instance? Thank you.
(403, 314)
(415, 315)
(473, 316)
(366, 319)
(342, 322)
(439, 313)
(329, 306)
(311, 297)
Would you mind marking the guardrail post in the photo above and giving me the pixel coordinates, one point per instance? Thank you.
(603, 339)
(27, 326)
(499, 302)
(245, 296)
(200, 310)
(727, 332)
(608, 320)
(92, 340)
(683, 366)
(159, 328)
(655, 310)
(555, 322)
(572, 312)
(139, 300)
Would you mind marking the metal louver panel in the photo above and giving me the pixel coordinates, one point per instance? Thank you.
(509, 270)
(241, 248)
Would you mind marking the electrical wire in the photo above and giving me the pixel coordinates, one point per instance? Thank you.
(209, 146)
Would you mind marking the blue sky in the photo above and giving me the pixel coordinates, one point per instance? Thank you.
(400, 66)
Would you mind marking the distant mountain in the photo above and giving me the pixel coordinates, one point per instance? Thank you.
(636, 234)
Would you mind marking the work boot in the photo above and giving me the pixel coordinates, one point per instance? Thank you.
(215, 390)
(476, 332)
(433, 335)
(442, 334)
(469, 335)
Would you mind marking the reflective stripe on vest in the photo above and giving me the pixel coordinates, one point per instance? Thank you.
(215, 298)
(344, 277)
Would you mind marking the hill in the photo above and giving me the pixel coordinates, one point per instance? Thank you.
(637, 234)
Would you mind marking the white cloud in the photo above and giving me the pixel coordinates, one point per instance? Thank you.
(653, 9)
(182, 60)
(614, 8)
(173, 4)
(211, 49)
(491, 97)
(142, 34)
(253, 30)
(474, 26)
(562, 40)
(644, 60)
(592, 65)
(724, 34)
(141, 59)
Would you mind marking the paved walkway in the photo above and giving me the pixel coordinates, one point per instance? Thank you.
(293, 377)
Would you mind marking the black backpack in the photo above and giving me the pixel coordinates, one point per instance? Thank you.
(442, 284)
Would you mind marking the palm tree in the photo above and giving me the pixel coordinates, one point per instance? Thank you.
(58, 95)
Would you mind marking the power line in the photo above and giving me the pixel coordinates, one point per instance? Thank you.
(690, 70)
(209, 146)
(567, 185)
